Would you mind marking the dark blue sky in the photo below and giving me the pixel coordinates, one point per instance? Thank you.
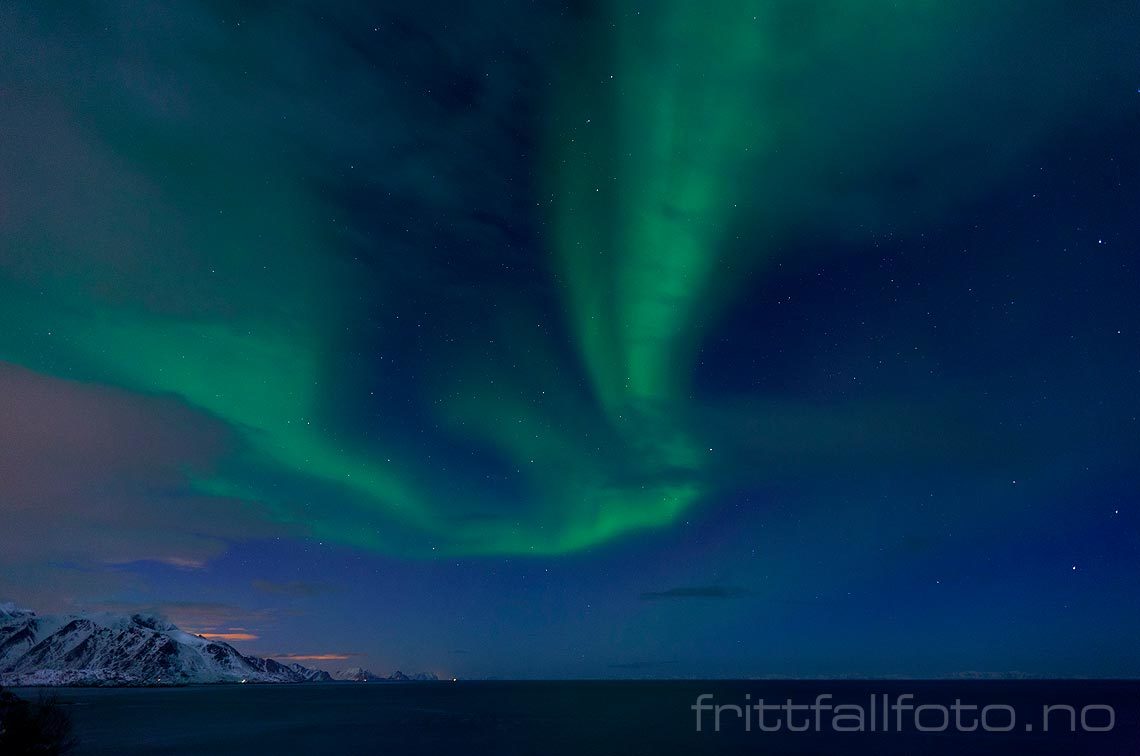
(579, 339)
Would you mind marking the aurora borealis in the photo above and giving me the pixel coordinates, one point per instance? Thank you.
(481, 322)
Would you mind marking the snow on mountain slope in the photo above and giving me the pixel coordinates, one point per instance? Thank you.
(310, 675)
(124, 649)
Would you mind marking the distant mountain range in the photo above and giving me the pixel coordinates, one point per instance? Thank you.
(356, 674)
(136, 649)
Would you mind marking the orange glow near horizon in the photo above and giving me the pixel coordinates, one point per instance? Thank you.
(229, 636)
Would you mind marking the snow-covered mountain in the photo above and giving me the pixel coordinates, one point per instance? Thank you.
(356, 674)
(415, 676)
(136, 649)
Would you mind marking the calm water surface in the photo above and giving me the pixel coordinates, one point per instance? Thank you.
(595, 718)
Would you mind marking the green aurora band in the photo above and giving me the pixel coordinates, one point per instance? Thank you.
(684, 146)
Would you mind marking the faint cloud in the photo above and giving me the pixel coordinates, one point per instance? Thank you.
(210, 620)
(697, 591)
(293, 588)
(313, 657)
(181, 563)
(642, 664)
(55, 587)
(95, 477)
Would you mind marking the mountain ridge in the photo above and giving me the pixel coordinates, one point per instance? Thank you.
(134, 649)
(357, 674)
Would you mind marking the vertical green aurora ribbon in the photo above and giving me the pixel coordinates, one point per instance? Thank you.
(655, 134)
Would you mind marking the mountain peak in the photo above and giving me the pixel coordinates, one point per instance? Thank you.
(9, 610)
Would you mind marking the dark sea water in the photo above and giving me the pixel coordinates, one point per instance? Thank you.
(594, 718)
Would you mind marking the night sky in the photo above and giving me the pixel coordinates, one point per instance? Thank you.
(579, 339)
